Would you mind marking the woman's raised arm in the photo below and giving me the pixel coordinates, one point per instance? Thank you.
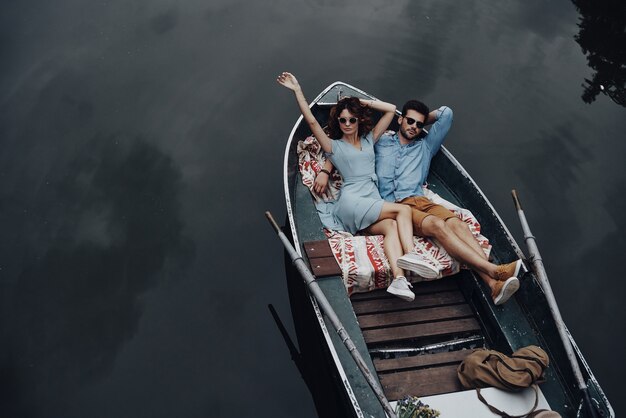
(389, 112)
(289, 80)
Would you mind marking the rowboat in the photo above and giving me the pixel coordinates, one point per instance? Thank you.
(413, 349)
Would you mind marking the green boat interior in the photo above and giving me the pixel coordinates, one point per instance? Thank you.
(415, 347)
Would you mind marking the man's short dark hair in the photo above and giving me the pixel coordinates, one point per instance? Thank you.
(416, 105)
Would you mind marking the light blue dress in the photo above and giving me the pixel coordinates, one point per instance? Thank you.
(359, 203)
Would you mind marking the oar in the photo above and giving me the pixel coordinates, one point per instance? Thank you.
(328, 310)
(540, 271)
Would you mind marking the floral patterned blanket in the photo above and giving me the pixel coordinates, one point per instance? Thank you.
(362, 259)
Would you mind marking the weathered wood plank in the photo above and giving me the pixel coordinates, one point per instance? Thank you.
(423, 360)
(420, 383)
(432, 286)
(324, 267)
(368, 321)
(394, 304)
(317, 249)
(409, 332)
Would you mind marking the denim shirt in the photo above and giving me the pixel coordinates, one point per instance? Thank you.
(402, 169)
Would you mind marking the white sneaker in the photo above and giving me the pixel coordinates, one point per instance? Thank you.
(400, 287)
(416, 264)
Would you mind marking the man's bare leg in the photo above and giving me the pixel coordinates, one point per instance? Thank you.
(469, 255)
(462, 231)
(457, 248)
(460, 250)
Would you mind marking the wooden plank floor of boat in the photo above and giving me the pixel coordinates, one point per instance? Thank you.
(438, 317)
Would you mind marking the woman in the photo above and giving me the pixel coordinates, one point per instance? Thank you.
(360, 207)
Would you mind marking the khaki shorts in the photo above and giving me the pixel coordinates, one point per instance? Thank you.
(422, 207)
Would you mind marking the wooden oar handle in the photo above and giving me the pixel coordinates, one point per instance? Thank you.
(518, 205)
(270, 218)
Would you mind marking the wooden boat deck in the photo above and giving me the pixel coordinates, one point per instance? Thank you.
(415, 345)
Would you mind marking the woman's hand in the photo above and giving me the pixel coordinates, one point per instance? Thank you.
(321, 183)
(288, 80)
(291, 82)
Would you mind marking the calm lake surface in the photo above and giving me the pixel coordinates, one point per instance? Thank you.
(142, 141)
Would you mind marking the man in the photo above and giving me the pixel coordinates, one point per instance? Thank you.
(402, 163)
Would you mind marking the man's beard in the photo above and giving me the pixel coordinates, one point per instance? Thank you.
(406, 135)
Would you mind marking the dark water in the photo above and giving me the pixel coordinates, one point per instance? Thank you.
(142, 141)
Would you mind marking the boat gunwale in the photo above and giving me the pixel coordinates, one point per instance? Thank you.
(295, 237)
(296, 241)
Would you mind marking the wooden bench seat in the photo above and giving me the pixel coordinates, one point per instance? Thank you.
(320, 255)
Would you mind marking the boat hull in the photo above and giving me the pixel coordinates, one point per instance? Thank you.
(336, 384)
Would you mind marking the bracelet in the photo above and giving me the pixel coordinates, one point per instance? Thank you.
(323, 170)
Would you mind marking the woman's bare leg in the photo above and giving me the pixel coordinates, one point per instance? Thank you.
(403, 216)
(391, 242)
(399, 286)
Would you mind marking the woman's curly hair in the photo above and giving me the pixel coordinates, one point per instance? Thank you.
(354, 106)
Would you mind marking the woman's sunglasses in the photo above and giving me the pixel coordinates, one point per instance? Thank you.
(351, 120)
(411, 121)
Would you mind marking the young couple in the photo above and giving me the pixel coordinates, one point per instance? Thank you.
(382, 191)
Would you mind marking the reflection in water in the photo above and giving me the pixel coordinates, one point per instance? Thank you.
(602, 37)
(110, 230)
(595, 278)
(84, 235)
(557, 159)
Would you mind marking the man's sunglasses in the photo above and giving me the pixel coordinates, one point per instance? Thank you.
(344, 120)
(411, 121)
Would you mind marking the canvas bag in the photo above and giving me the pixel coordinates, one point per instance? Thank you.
(490, 368)
(533, 413)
